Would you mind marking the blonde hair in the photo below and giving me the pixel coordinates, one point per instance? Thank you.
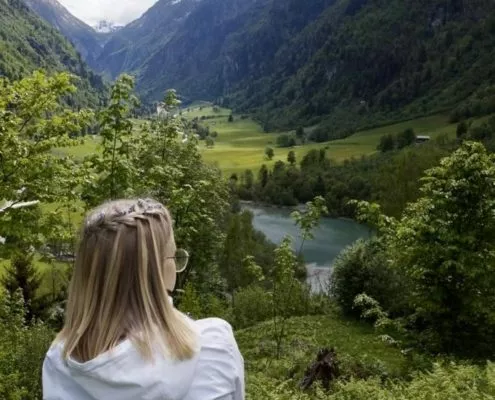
(119, 290)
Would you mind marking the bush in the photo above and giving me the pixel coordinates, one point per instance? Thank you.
(252, 305)
(22, 351)
(363, 268)
(451, 382)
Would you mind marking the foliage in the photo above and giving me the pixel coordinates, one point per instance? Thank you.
(387, 143)
(246, 256)
(406, 138)
(443, 244)
(445, 382)
(33, 122)
(390, 179)
(113, 172)
(22, 350)
(291, 158)
(289, 295)
(190, 302)
(27, 44)
(361, 354)
(169, 160)
(22, 274)
(253, 304)
(364, 268)
(310, 218)
(286, 141)
(269, 153)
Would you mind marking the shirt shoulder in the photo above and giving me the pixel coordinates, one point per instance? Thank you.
(215, 329)
(220, 368)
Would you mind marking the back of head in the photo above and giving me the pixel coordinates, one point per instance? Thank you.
(119, 289)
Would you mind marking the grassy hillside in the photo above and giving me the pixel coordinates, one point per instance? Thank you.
(241, 144)
(354, 342)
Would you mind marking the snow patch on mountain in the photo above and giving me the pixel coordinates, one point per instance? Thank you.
(105, 26)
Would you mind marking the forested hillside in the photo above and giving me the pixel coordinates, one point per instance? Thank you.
(371, 61)
(87, 41)
(27, 43)
(349, 63)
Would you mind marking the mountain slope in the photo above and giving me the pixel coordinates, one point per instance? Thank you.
(348, 63)
(130, 47)
(384, 60)
(27, 43)
(232, 41)
(86, 40)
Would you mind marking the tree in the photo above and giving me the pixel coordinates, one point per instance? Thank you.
(248, 178)
(387, 143)
(197, 197)
(22, 275)
(34, 121)
(231, 118)
(210, 142)
(263, 176)
(462, 129)
(291, 157)
(300, 132)
(310, 218)
(269, 153)
(287, 291)
(286, 141)
(445, 244)
(113, 172)
(406, 138)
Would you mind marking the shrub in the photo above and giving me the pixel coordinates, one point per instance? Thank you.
(251, 305)
(451, 382)
(22, 350)
(363, 268)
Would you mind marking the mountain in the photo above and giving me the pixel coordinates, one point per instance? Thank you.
(28, 43)
(347, 62)
(366, 62)
(86, 40)
(232, 42)
(130, 47)
(343, 63)
(105, 26)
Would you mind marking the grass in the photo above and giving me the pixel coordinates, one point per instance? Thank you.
(241, 144)
(356, 344)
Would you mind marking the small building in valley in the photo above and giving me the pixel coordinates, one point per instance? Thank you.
(422, 139)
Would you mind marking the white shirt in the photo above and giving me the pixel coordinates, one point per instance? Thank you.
(216, 372)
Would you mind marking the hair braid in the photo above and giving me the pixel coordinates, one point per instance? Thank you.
(105, 219)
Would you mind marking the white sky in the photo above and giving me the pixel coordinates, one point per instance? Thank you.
(119, 12)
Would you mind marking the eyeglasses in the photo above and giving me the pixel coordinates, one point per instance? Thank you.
(181, 258)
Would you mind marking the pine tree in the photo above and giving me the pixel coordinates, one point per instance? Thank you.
(22, 274)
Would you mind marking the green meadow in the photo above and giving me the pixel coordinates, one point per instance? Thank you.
(241, 144)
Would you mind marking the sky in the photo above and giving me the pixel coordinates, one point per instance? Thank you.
(119, 12)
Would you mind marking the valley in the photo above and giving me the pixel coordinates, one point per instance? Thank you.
(328, 166)
(241, 144)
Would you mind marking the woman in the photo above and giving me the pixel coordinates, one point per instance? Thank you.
(123, 338)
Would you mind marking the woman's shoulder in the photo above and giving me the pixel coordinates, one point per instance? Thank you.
(220, 367)
(214, 329)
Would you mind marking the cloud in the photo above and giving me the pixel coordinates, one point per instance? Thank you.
(117, 11)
